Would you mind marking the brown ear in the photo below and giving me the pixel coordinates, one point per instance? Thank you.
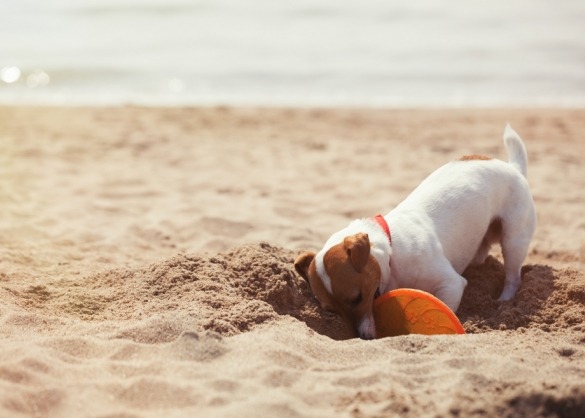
(302, 264)
(357, 248)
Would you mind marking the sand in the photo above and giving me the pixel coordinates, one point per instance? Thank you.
(146, 265)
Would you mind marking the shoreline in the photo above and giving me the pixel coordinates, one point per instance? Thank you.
(527, 105)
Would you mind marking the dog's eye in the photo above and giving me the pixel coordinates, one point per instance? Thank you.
(356, 301)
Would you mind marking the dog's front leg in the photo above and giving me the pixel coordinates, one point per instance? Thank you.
(451, 289)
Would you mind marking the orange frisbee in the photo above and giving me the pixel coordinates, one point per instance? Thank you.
(411, 311)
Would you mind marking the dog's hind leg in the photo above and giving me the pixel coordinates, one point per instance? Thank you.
(514, 255)
(516, 235)
(492, 235)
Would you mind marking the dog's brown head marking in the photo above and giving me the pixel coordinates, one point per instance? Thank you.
(353, 275)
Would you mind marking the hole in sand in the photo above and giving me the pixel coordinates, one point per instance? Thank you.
(235, 291)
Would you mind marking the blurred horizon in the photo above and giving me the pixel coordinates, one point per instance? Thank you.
(300, 53)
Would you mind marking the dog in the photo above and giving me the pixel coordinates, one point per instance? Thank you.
(447, 223)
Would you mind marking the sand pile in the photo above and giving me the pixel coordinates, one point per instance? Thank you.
(233, 292)
(228, 293)
(549, 299)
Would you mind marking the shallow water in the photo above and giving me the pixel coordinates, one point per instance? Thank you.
(301, 52)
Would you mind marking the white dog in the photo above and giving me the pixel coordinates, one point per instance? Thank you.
(448, 222)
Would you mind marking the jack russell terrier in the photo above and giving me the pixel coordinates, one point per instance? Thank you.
(447, 223)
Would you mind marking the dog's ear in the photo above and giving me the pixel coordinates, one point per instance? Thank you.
(302, 264)
(357, 248)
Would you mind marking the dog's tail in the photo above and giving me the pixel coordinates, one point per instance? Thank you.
(516, 151)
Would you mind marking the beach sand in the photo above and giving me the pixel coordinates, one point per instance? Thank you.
(146, 265)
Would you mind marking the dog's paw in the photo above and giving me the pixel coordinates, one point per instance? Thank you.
(507, 295)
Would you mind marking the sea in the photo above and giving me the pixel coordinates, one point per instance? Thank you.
(444, 53)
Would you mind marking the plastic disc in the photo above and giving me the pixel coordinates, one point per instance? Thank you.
(411, 311)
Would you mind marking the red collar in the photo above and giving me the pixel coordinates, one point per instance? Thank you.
(384, 225)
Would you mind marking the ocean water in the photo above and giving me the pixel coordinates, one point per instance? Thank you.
(293, 52)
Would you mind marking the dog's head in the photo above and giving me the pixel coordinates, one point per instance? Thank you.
(344, 278)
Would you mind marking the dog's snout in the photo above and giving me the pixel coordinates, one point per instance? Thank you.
(366, 328)
(367, 336)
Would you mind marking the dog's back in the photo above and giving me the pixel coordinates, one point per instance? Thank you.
(456, 205)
